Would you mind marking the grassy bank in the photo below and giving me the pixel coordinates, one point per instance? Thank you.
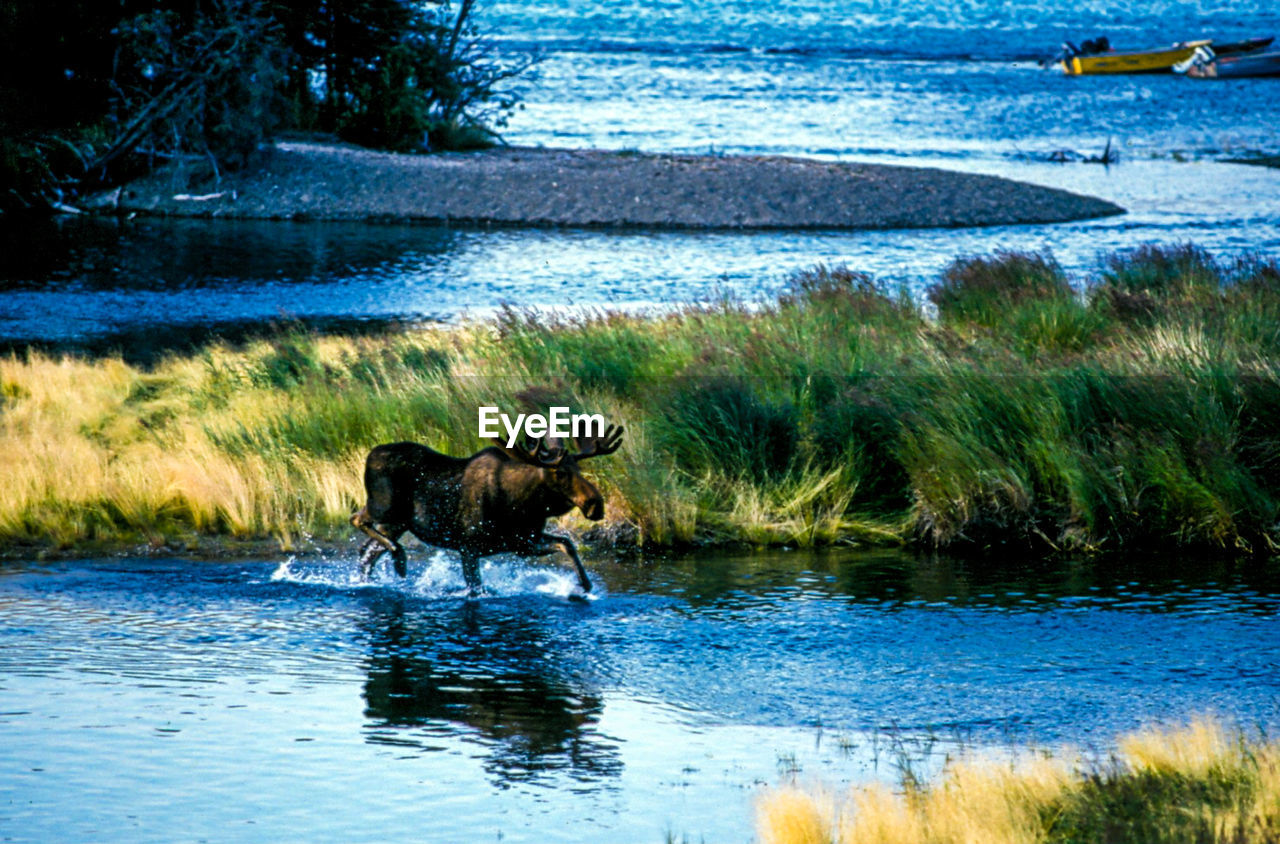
(1201, 783)
(1144, 413)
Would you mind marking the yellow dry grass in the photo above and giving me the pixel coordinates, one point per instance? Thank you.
(206, 444)
(794, 816)
(99, 450)
(266, 439)
(999, 801)
(1194, 750)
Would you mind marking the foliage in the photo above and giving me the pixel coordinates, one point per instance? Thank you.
(982, 289)
(204, 83)
(92, 92)
(435, 84)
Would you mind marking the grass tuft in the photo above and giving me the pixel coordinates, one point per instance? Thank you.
(1196, 783)
(982, 289)
(793, 816)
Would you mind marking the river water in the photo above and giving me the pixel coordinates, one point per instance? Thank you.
(166, 700)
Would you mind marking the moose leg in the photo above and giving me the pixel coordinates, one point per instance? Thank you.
(398, 557)
(382, 538)
(565, 544)
(373, 549)
(471, 573)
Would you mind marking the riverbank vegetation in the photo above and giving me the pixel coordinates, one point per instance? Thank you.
(1136, 408)
(1197, 783)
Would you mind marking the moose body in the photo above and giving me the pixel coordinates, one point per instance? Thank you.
(498, 500)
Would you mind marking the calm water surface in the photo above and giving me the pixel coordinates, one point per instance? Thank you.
(163, 700)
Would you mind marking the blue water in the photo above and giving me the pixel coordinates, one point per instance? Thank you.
(952, 85)
(959, 29)
(165, 700)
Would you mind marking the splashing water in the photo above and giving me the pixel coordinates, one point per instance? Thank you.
(504, 576)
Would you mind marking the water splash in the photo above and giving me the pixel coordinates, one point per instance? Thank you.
(504, 576)
(320, 572)
(511, 576)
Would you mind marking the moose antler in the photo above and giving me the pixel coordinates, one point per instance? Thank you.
(599, 446)
(537, 454)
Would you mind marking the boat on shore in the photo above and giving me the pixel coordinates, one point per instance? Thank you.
(1083, 63)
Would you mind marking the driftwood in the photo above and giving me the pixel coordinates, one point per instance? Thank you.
(1063, 156)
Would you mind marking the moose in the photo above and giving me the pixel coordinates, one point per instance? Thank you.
(497, 500)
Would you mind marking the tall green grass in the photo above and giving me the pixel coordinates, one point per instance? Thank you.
(1139, 406)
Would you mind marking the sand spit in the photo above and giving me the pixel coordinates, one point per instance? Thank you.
(599, 189)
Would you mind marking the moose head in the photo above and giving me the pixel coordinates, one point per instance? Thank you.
(561, 476)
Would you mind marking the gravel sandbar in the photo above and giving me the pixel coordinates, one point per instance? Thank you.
(600, 189)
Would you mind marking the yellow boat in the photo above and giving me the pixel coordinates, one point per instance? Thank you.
(1138, 61)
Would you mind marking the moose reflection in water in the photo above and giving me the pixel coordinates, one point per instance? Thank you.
(489, 675)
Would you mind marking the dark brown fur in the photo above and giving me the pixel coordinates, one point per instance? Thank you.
(498, 500)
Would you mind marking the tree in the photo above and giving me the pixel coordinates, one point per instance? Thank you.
(91, 90)
(470, 96)
(199, 81)
(402, 75)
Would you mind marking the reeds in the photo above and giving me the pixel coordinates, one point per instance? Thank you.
(1200, 782)
(1137, 407)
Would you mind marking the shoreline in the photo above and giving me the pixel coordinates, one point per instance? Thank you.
(562, 188)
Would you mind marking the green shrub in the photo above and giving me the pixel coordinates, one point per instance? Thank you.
(983, 290)
(730, 426)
